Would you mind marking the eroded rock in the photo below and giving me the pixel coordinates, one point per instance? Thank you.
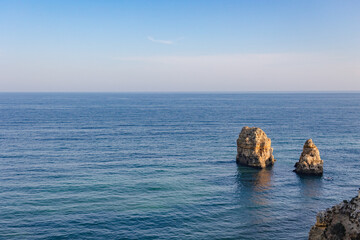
(342, 221)
(254, 148)
(310, 162)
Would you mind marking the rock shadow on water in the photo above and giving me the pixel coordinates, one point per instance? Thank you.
(253, 190)
(254, 184)
(310, 186)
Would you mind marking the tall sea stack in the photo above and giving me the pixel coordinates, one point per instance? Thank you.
(254, 148)
(310, 162)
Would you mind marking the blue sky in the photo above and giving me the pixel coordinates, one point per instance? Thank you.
(180, 45)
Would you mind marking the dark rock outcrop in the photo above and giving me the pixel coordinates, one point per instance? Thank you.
(310, 162)
(342, 221)
(254, 148)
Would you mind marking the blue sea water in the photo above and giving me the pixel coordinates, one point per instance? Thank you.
(162, 166)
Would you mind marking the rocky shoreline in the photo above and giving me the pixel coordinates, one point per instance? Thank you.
(342, 221)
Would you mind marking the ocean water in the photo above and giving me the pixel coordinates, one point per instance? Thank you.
(162, 166)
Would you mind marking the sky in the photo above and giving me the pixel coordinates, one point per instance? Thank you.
(179, 46)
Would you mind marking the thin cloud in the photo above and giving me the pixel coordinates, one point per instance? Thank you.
(167, 42)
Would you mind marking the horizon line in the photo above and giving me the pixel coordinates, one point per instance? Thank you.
(189, 92)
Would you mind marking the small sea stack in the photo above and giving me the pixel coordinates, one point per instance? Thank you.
(254, 148)
(342, 221)
(310, 162)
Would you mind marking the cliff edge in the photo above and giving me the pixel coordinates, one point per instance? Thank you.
(342, 221)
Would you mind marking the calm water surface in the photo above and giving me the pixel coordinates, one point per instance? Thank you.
(162, 166)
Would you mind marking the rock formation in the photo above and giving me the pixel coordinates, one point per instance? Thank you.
(342, 221)
(254, 148)
(310, 162)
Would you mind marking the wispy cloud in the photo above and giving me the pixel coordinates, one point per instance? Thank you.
(167, 42)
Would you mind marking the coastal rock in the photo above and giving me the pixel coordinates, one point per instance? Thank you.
(310, 162)
(342, 221)
(254, 148)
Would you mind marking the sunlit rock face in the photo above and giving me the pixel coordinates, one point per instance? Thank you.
(342, 221)
(310, 162)
(254, 148)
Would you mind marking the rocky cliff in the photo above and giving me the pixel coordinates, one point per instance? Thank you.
(310, 162)
(254, 148)
(342, 221)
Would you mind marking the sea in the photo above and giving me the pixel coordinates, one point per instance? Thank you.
(163, 165)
